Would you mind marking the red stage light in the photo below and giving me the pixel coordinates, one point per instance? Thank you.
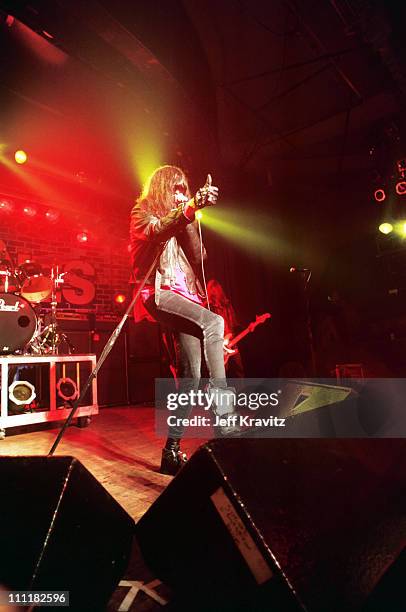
(52, 215)
(30, 211)
(380, 195)
(20, 157)
(6, 206)
(82, 237)
(401, 188)
(120, 298)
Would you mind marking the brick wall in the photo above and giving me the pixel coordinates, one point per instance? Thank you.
(53, 244)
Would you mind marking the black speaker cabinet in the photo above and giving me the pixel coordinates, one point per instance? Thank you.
(370, 408)
(284, 525)
(61, 531)
(112, 379)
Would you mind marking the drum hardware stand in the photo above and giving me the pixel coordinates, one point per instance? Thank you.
(109, 345)
(51, 331)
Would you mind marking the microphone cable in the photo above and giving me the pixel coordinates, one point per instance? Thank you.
(202, 263)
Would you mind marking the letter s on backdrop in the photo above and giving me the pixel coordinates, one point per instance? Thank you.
(82, 290)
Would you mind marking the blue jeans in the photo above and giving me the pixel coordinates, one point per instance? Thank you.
(192, 323)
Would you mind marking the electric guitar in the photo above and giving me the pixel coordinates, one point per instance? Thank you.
(230, 342)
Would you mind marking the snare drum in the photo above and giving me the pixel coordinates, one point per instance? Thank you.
(35, 286)
(18, 323)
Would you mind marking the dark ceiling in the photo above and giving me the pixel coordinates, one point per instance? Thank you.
(303, 88)
(275, 89)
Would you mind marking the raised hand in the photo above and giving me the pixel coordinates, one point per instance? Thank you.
(207, 195)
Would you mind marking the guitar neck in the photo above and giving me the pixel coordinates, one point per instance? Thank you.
(240, 336)
(248, 329)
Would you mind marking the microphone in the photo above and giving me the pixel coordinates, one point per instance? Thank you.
(293, 269)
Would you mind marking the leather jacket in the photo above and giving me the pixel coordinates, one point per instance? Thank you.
(177, 236)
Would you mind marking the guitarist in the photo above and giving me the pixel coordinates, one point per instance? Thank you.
(221, 304)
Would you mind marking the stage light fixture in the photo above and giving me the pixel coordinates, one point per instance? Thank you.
(30, 211)
(380, 195)
(6, 206)
(401, 188)
(120, 298)
(52, 215)
(21, 392)
(199, 214)
(386, 228)
(82, 237)
(20, 156)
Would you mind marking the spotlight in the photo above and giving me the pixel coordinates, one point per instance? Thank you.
(82, 237)
(120, 298)
(21, 392)
(52, 215)
(6, 206)
(199, 214)
(380, 195)
(30, 211)
(67, 389)
(401, 188)
(386, 228)
(20, 157)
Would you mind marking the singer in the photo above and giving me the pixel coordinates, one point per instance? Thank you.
(163, 220)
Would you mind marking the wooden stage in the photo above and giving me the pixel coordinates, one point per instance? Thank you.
(119, 448)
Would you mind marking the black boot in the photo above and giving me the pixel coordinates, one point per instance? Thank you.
(224, 408)
(172, 457)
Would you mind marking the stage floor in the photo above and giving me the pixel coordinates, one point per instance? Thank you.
(119, 448)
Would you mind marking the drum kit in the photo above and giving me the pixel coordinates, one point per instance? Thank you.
(23, 325)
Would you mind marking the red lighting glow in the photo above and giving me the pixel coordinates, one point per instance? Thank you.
(52, 215)
(380, 195)
(82, 237)
(401, 188)
(20, 156)
(120, 298)
(39, 45)
(6, 206)
(30, 211)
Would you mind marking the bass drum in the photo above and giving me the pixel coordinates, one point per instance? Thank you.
(18, 323)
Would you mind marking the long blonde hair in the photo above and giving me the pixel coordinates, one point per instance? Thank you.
(158, 191)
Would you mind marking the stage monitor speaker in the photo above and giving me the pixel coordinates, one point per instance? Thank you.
(277, 524)
(366, 408)
(61, 531)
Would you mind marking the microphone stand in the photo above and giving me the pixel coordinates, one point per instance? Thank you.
(309, 324)
(109, 345)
